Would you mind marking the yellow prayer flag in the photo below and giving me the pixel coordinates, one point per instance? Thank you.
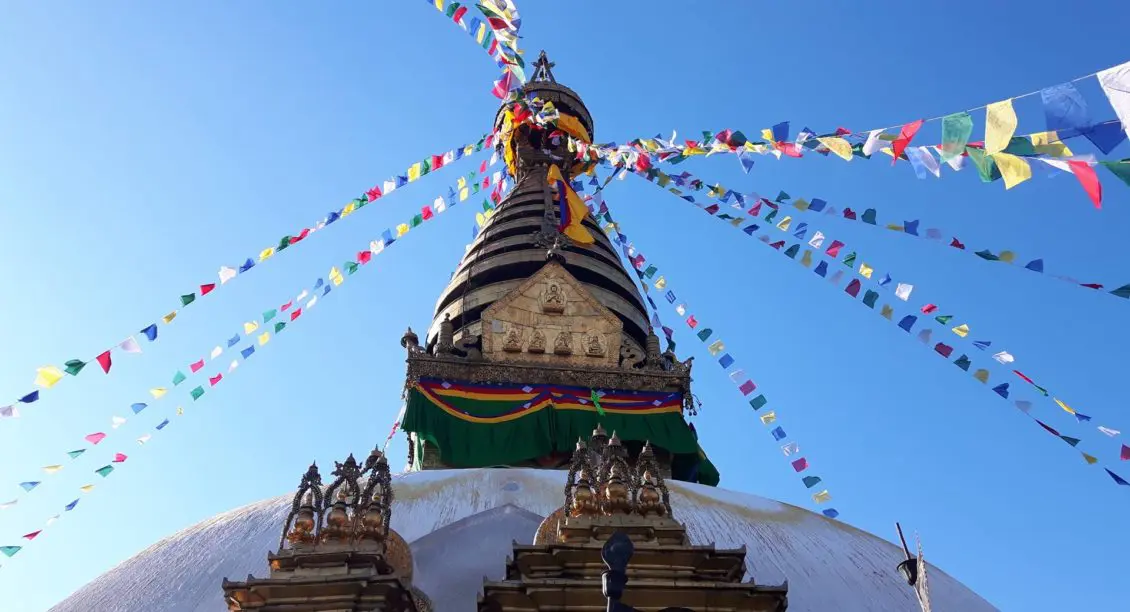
(264, 338)
(480, 219)
(716, 347)
(335, 277)
(51, 469)
(768, 417)
(981, 375)
(250, 326)
(961, 330)
(801, 204)
(1014, 170)
(822, 496)
(897, 228)
(1007, 256)
(1067, 408)
(47, 376)
(806, 258)
(158, 392)
(266, 253)
(401, 229)
(180, 411)
(837, 145)
(490, 213)
(1089, 459)
(462, 182)
(784, 224)
(169, 317)
(767, 134)
(1048, 143)
(737, 221)
(1000, 124)
(86, 488)
(865, 270)
(463, 193)
(660, 283)
(349, 208)
(414, 171)
(689, 151)
(887, 311)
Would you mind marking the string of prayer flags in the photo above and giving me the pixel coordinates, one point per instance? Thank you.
(497, 34)
(48, 376)
(746, 386)
(906, 323)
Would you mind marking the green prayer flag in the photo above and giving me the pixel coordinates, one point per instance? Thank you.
(417, 220)
(956, 130)
(792, 251)
(650, 271)
(986, 167)
(811, 481)
(486, 206)
(704, 333)
(178, 378)
(75, 453)
(596, 402)
(1121, 169)
(1070, 440)
(943, 319)
(351, 266)
(772, 215)
(849, 261)
(104, 471)
(1122, 292)
(707, 136)
(187, 299)
(427, 167)
(963, 363)
(10, 550)
(870, 297)
(987, 255)
(783, 196)
(283, 243)
(868, 216)
(280, 326)
(270, 314)
(1020, 145)
(758, 402)
(196, 393)
(74, 366)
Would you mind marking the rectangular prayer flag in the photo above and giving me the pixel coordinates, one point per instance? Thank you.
(1000, 124)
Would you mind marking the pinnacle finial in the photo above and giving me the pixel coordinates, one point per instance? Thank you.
(543, 69)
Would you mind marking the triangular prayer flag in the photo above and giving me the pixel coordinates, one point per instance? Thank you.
(1117, 479)
(1001, 390)
(169, 317)
(982, 375)
(10, 550)
(158, 392)
(162, 424)
(800, 464)
(905, 135)
(1089, 459)
(961, 330)
(119, 458)
(95, 438)
(31, 536)
(86, 488)
(29, 485)
(215, 379)
(187, 299)
(1125, 454)
(963, 362)
(266, 336)
(71, 506)
(104, 471)
(138, 407)
(852, 288)
(30, 397)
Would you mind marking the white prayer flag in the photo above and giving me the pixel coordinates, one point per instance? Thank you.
(791, 448)
(873, 143)
(9, 504)
(143, 439)
(902, 291)
(1023, 406)
(9, 412)
(836, 277)
(929, 162)
(116, 422)
(217, 351)
(234, 365)
(226, 274)
(302, 296)
(1004, 357)
(1108, 431)
(310, 304)
(130, 345)
(1116, 85)
(817, 240)
(376, 246)
(924, 336)
(389, 187)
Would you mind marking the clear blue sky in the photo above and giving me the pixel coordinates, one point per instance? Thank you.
(143, 146)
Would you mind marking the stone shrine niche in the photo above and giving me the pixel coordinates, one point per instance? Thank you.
(551, 318)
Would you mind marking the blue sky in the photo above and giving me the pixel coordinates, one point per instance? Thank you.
(142, 147)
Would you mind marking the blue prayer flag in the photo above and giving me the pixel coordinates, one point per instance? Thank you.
(910, 227)
(670, 295)
(30, 397)
(71, 506)
(247, 265)
(1036, 265)
(831, 513)
(386, 236)
(1065, 110)
(886, 280)
(817, 205)
(750, 229)
(1079, 416)
(318, 284)
(821, 268)
(333, 216)
(401, 180)
(1001, 390)
(982, 344)
(234, 340)
(778, 434)
(781, 131)
(908, 322)
(247, 352)
(138, 407)
(327, 290)
(1106, 136)
(726, 360)
(652, 302)
(150, 332)
(162, 424)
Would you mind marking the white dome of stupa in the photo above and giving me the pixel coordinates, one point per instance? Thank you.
(461, 525)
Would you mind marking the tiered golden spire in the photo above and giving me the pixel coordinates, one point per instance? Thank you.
(601, 482)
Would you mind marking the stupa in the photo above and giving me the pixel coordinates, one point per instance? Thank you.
(544, 421)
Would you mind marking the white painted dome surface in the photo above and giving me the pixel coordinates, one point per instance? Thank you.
(461, 523)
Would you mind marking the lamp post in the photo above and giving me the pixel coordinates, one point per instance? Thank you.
(616, 553)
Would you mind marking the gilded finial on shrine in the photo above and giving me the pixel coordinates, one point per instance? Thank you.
(617, 492)
(301, 525)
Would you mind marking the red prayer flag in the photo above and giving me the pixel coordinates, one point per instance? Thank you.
(834, 248)
(196, 366)
(490, 139)
(364, 256)
(374, 193)
(1089, 180)
(756, 210)
(297, 313)
(215, 379)
(777, 245)
(905, 134)
(206, 289)
(943, 349)
(1091, 285)
(285, 307)
(437, 162)
(457, 16)
(104, 361)
(426, 213)
(853, 288)
(800, 465)
(304, 233)
(1125, 453)
(788, 148)
(692, 322)
(956, 244)
(643, 163)
(502, 86)
(119, 458)
(928, 308)
(1050, 430)
(1026, 379)
(31, 536)
(747, 387)
(849, 214)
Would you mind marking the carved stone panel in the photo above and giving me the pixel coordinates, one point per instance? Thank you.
(551, 318)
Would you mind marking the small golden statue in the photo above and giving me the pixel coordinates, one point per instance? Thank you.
(617, 499)
(302, 531)
(650, 501)
(337, 519)
(584, 499)
(373, 522)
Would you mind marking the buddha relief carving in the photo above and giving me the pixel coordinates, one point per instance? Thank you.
(563, 344)
(513, 340)
(537, 342)
(594, 346)
(553, 298)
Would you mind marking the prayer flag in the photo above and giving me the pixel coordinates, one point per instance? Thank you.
(905, 135)
(196, 393)
(865, 270)
(1117, 479)
(71, 506)
(852, 288)
(822, 496)
(956, 130)
(800, 464)
(74, 366)
(810, 481)
(961, 330)
(834, 248)
(1002, 390)
(943, 349)
(778, 434)
(95, 438)
(747, 387)
(1003, 357)
(963, 362)
(130, 345)
(1013, 169)
(75, 453)
(150, 332)
(215, 379)
(138, 407)
(119, 458)
(1108, 431)
(48, 376)
(981, 375)
(1000, 124)
(869, 298)
(887, 311)
(117, 421)
(758, 402)
(902, 291)
(104, 471)
(162, 424)
(29, 485)
(169, 317)
(768, 418)
(226, 274)
(924, 336)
